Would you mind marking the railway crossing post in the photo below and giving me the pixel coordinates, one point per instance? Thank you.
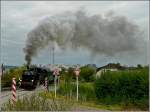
(14, 99)
(56, 73)
(55, 86)
(77, 72)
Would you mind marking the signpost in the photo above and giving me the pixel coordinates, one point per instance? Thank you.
(56, 73)
(77, 72)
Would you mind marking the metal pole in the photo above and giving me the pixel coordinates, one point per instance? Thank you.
(55, 86)
(58, 77)
(77, 87)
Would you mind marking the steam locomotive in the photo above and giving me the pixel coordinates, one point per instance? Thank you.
(35, 76)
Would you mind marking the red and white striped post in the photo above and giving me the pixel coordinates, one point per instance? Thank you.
(14, 99)
(46, 84)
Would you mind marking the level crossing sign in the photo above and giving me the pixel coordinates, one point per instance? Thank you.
(56, 72)
(77, 71)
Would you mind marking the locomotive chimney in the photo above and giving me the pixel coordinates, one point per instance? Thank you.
(28, 65)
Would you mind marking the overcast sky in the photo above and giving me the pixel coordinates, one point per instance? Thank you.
(19, 18)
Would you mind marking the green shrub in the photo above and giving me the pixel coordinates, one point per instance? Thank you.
(123, 86)
(6, 79)
(87, 74)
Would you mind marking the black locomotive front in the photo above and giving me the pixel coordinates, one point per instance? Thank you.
(29, 80)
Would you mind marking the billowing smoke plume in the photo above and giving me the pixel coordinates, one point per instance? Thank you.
(105, 34)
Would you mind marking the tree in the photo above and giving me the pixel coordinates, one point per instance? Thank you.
(139, 66)
(87, 74)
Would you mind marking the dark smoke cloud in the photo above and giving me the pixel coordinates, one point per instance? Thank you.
(101, 34)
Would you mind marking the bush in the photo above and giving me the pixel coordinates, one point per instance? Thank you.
(6, 79)
(67, 75)
(123, 86)
(87, 74)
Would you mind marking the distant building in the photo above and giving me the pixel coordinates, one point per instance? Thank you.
(99, 72)
(109, 67)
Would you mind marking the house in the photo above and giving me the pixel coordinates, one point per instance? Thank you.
(108, 67)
